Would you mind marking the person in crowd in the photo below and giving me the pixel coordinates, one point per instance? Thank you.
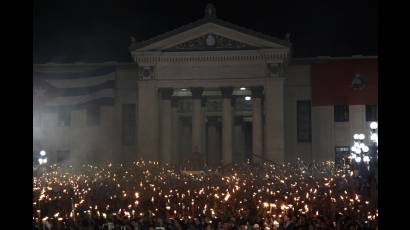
(149, 196)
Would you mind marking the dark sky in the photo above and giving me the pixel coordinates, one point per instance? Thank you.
(97, 31)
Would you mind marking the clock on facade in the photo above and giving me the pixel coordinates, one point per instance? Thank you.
(210, 40)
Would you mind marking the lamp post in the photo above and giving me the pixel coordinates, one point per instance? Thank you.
(374, 138)
(359, 149)
(42, 159)
(365, 158)
(374, 164)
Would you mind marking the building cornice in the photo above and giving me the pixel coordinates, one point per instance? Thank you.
(266, 56)
(324, 59)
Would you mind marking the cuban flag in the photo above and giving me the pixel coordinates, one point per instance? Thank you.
(59, 90)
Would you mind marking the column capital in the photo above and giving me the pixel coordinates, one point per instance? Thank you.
(174, 101)
(197, 92)
(227, 92)
(166, 93)
(257, 91)
(227, 117)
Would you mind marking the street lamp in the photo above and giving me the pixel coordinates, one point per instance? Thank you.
(373, 133)
(373, 125)
(375, 139)
(358, 159)
(359, 149)
(362, 153)
(366, 159)
(374, 155)
(42, 159)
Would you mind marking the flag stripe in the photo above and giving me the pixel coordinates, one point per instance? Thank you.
(99, 102)
(332, 82)
(74, 75)
(73, 100)
(69, 89)
(81, 82)
(69, 92)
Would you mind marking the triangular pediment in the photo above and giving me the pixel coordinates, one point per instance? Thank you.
(208, 35)
(211, 41)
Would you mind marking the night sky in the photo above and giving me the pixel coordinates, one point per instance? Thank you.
(98, 31)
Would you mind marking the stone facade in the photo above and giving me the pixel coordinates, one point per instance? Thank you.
(249, 122)
(211, 91)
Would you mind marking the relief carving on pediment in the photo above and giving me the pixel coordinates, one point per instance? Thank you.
(211, 42)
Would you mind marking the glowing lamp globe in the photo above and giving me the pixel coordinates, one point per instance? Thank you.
(248, 98)
(42, 153)
(374, 137)
(358, 159)
(365, 149)
(373, 125)
(366, 159)
(40, 161)
(358, 151)
(361, 136)
(353, 148)
(356, 136)
(45, 161)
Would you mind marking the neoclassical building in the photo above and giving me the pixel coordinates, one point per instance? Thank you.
(218, 91)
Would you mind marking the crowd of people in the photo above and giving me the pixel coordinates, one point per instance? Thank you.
(147, 195)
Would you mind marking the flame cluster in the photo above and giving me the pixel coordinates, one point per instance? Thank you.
(148, 189)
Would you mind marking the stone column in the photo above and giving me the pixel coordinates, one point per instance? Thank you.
(148, 120)
(239, 140)
(197, 120)
(203, 127)
(227, 126)
(166, 125)
(257, 129)
(212, 140)
(185, 140)
(175, 131)
(274, 127)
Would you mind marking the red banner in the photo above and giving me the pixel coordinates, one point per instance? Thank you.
(345, 82)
